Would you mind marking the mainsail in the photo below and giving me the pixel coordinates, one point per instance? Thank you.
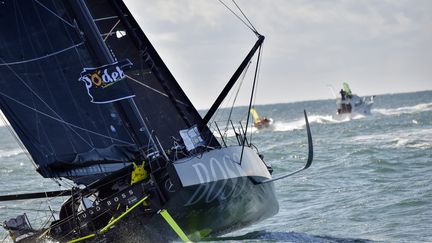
(46, 48)
(92, 101)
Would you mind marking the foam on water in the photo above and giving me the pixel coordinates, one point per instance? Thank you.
(405, 110)
(412, 138)
(11, 152)
(313, 119)
(297, 124)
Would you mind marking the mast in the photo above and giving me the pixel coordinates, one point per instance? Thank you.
(233, 80)
(178, 100)
(162, 81)
(127, 108)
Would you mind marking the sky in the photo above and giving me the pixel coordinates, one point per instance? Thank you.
(377, 46)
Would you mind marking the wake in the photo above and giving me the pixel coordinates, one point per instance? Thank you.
(297, 124)
(313, 119)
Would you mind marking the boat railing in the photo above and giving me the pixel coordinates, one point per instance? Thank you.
(232, 134)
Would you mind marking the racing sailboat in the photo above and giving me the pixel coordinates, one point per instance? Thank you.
(260, 122)
(92, 102)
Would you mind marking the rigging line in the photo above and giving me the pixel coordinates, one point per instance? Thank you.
(39, 58)
(256, 86)
(21, 26)
(250, 103)
(64, 78)
(238, 90)
(226, 6)
(66, 184)
(244, 15)
(221, 112)
(259, 72)
(49, 10)
(106, 18)
(64, 220)
(228, 101)
(37, 96)
(80, 58)
(153, 89)
(111, 31)
(63, 121)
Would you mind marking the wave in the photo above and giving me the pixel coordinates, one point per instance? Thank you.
(298, 124)
(2, 124)
(11, 152)
(282, 126)
(3, 120)
(319, 119)
(405, 109)
(411, 138)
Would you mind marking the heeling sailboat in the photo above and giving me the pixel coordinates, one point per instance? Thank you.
(92, 102)
(260, 122)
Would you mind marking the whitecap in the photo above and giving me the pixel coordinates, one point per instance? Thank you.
(405, 109)
(11, 152)
(289, 126)
(405, 138)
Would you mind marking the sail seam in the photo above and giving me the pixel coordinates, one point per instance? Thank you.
(63, 121)
(41, 57)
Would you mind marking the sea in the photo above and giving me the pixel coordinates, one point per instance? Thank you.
(370, 181)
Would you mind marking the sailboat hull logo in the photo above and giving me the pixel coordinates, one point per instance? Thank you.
(100, 81)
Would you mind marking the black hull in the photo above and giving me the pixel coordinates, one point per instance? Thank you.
(225, 206)
(231, 205)
(208, 195)
(213, 194)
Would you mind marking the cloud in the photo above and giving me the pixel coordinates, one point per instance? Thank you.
(379, 46)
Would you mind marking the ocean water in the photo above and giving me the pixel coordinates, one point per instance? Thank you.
(371, 179)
